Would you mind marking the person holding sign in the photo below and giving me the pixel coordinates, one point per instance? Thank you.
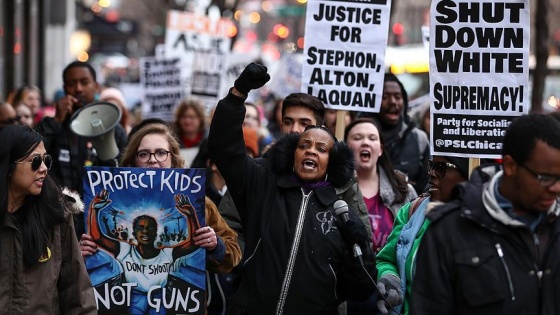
(154, 146)
(311, 259)
(407, 145)
(494, 249)
(41, 270)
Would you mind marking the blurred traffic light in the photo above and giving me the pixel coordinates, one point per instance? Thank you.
(398, 34)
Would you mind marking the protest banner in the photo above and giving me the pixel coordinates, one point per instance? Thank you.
(201, 43)
(286, 79)
(163, 87)
(479, 64)
(143, 220)
(344, 55)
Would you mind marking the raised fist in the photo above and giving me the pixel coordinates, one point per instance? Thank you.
(101, 200)
(253, 76)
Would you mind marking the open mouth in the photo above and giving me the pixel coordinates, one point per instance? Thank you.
(365, 155)
(433, 187)
(309, 164)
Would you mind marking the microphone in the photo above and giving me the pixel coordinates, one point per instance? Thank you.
(341, 210)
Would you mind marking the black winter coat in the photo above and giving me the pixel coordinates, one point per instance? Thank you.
(295, 259)
(470, 263)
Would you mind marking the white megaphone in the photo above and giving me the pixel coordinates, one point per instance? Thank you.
(97, 122)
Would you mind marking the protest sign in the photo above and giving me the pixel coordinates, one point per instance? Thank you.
(143, 221)
(344, 55)
(286, 79)
(201, 43)
(162, 85)
(479, 63)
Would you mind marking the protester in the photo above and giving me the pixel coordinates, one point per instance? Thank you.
(330, 119)
(30, 95)
(253, 121)
(396, 260)
(408, 146)
(293, 237)
(298, 111)
(190, 127)
(71, 152)
(493, 250)
(115, 96)
(41, 269)
(153, 145)
(24, 114)
(384, 190)
(8, 115)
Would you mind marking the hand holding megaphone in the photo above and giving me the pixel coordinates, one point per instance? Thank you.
(97, 122)
(65, 107)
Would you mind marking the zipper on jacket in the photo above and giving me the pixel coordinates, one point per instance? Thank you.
(501, 255)
(293, 253)
(537, 246)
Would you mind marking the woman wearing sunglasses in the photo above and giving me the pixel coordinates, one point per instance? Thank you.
(40, 269)
(396, 261)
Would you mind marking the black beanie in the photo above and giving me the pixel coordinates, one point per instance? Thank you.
(462, 165)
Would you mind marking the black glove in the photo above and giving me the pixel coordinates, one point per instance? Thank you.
(389, 286)
(253, 76)
(352, 232)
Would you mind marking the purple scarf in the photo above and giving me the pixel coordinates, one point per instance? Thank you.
(309, 186)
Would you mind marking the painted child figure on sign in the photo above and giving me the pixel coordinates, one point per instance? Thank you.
(149, 254)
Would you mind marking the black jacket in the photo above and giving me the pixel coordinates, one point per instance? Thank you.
(474, 259)
(70, 154)
(295, 259)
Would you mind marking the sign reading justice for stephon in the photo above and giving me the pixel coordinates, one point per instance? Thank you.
(344, 58)
(479, 61)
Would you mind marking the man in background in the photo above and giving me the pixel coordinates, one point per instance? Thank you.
(69, 151)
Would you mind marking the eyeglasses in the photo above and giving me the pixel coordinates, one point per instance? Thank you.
(159, 155)
(37, 160)
(439, 168)
(544, 180)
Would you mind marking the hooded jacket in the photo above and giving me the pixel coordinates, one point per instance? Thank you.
(295, 261)
(476, 259)
(58, 284)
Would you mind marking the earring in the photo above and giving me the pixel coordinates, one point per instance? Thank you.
(326, 177)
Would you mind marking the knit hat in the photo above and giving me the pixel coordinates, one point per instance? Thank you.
(251, 140)
(112, 93)
(461, 163)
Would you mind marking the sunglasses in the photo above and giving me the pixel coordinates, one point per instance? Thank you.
(439, 168)
(38, 160)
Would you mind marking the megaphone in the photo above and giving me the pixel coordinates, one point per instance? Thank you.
(97, 122)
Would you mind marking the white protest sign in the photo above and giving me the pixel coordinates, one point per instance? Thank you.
(344, 55)
(287, 77)
(162, 87)
(479, 63)
(201, 43)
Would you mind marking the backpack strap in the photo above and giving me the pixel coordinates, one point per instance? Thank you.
(415, 204)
